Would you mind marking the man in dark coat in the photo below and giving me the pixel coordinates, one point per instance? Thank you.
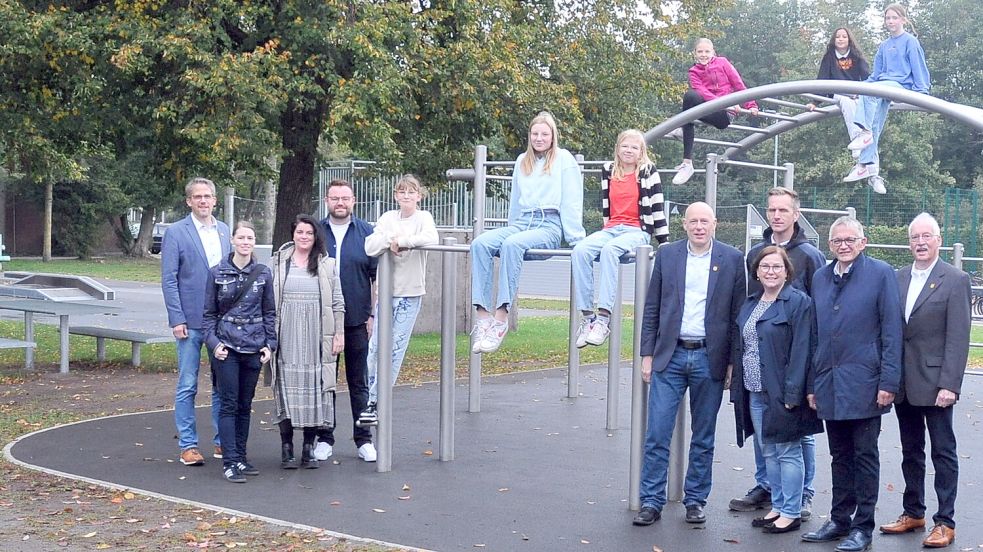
(857, 373)
(936, 299)
(688, 342)
(784, 231)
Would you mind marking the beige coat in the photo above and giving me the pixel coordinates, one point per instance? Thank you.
(332, 310)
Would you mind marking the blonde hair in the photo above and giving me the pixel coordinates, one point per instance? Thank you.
(903, 12)
(529, 160)
(410, 182)
(643, 158)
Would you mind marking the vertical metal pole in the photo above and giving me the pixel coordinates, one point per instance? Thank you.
(29, 336)
(614, 354)
(789, 175)
(454, 222)
(230, 206)
(711, 175)
(774, 174)
(677, 451)
(573, 353)
(63, 341)
(639, 394)
(852, 212)
(958, 250)
(378, 209)
(384, 372)
(474, 361)
(448, 344)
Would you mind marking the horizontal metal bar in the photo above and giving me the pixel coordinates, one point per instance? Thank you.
(715, 142)
(753, 165)
(751, 129)
(824, 211)
(777, 116)
(785, 103)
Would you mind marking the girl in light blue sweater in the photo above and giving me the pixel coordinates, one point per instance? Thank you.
(546, 204)
(900, 62)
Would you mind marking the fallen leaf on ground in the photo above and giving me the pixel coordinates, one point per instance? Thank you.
(378, 510)
(406, 487)
(89, 535)
(732, 541)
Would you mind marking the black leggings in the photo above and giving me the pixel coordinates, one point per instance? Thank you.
(720, 119)
(287, 433)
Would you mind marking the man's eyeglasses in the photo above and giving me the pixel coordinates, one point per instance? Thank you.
(926, 237)
(203, 197)
(840, 241)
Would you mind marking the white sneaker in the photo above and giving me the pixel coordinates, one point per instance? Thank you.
(478, 333)
(860, 172)
(877, 184)
(367, 452)
(493, 336)
(599, 332)
(585, 325)
(322, 451)
(675, 134)
(684, 171)
(864, 139)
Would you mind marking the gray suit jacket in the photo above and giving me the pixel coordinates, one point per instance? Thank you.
(663, 314)
(936, 335)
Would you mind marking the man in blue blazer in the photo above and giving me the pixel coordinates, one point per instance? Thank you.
(689, 335)
(857, 371)
(190, 247)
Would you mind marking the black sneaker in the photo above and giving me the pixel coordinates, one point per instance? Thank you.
(233, 474)
(368, 417)
(806, 511)
(757, 498)
(246, 468)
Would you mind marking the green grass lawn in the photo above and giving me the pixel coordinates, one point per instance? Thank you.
(113, 268)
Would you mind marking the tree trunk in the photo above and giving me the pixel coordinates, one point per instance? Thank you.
(146, 233)
(300, 127)
(49, 192)
(269, 212)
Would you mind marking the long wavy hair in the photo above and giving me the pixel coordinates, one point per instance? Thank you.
(855, 50)
(529, 160)
(318, 250)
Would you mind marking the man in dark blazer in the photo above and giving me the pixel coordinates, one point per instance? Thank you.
(935, 296)
(857, 372)
(190, 247)
(688, 342)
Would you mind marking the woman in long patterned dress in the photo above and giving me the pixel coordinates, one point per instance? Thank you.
(310, 317)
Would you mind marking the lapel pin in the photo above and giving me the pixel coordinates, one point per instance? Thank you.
(715, 268)
(931, 286)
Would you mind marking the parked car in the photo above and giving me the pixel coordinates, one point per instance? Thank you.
(158, 236)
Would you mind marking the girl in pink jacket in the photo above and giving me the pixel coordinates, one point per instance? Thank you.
(709, 78)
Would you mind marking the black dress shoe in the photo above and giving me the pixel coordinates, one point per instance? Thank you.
(858, 541)
(307, 460)
(774, 529)
(763, 521)
(646, 516)
(695, 514)
(830, 531)
(287, 459)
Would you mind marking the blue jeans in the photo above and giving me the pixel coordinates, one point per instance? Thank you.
(188, 361)
(236, 378)
(405, 310)
(808, 443)
(871, 114)
(607, 245)
(533, 230)
(688, 368)
(783, 461)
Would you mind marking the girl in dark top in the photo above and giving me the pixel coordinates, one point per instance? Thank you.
(239, 327)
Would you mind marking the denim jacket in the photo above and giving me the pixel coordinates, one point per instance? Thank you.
(251, 324)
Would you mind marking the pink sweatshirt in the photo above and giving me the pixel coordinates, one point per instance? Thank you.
(715, 79)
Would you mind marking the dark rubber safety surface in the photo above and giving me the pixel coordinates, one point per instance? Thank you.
(532, 471)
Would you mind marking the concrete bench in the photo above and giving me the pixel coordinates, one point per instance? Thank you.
(17, 344)
(136, 339)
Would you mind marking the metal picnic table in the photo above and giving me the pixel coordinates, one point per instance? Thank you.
(54, 308)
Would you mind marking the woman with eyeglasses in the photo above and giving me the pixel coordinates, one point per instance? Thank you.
(769, 385)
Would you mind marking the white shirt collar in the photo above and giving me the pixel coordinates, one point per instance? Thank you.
(689, 250)
(923, 273)
(844, 56)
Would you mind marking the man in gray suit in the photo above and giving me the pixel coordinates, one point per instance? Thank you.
(688, 334)
(936, 298)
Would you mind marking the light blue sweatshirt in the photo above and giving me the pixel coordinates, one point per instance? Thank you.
(562, 190)
(902, 60)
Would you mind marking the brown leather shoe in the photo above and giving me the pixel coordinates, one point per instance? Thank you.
(940, 537)
(904, 524)
(191, 457)
(217, 453)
